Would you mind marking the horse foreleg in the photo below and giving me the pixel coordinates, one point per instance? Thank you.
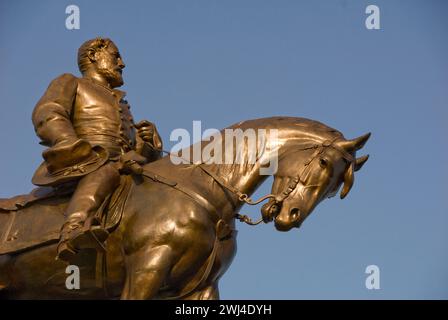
(146, 272)
(208, 293)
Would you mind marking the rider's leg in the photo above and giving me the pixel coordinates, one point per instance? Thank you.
(89, 195)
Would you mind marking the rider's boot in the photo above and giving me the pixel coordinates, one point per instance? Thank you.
(77, 235)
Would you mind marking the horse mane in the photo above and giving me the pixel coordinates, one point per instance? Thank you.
(305, 131)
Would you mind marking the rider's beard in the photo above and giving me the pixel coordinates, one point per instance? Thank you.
(113, 76)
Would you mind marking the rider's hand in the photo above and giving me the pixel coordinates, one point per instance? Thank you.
(145, 130)
(148, 133)
(132, 162)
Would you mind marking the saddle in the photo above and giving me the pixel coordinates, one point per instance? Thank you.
(35, 219)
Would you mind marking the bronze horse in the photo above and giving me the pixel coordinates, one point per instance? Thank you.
(169, 245)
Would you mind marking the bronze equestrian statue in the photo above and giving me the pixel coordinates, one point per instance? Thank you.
(176, 235)
(137, 225)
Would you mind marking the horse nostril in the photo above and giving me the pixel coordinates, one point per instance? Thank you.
(294, 213)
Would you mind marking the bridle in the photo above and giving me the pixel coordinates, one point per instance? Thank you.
(243, 197)
(278, 199)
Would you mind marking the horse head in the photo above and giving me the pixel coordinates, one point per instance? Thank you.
(309, 174)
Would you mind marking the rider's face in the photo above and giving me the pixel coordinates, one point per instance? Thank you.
(108, 63)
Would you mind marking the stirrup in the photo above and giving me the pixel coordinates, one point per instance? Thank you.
(65, 251)
(92, 237)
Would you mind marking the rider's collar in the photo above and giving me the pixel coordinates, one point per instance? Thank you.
(115, 92)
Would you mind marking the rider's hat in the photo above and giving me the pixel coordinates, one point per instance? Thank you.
(68, 161)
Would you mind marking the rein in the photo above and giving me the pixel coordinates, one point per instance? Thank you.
(243, 197)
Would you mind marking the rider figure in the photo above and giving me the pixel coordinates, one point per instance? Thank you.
(91, 136)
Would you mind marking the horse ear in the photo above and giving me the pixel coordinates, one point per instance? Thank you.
(360, 162)
(349, 178)
(355, 144)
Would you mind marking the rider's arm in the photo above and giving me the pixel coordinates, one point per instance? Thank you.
(51, 116)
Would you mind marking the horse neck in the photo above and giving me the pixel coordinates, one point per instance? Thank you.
(247, 174)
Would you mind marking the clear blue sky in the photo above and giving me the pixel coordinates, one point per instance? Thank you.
(224, 61)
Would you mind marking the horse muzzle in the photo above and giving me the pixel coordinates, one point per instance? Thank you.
(286, 220)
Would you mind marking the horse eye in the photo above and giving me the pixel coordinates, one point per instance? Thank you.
(323, 163)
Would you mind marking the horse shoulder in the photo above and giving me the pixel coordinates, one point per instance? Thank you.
(164, 216)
